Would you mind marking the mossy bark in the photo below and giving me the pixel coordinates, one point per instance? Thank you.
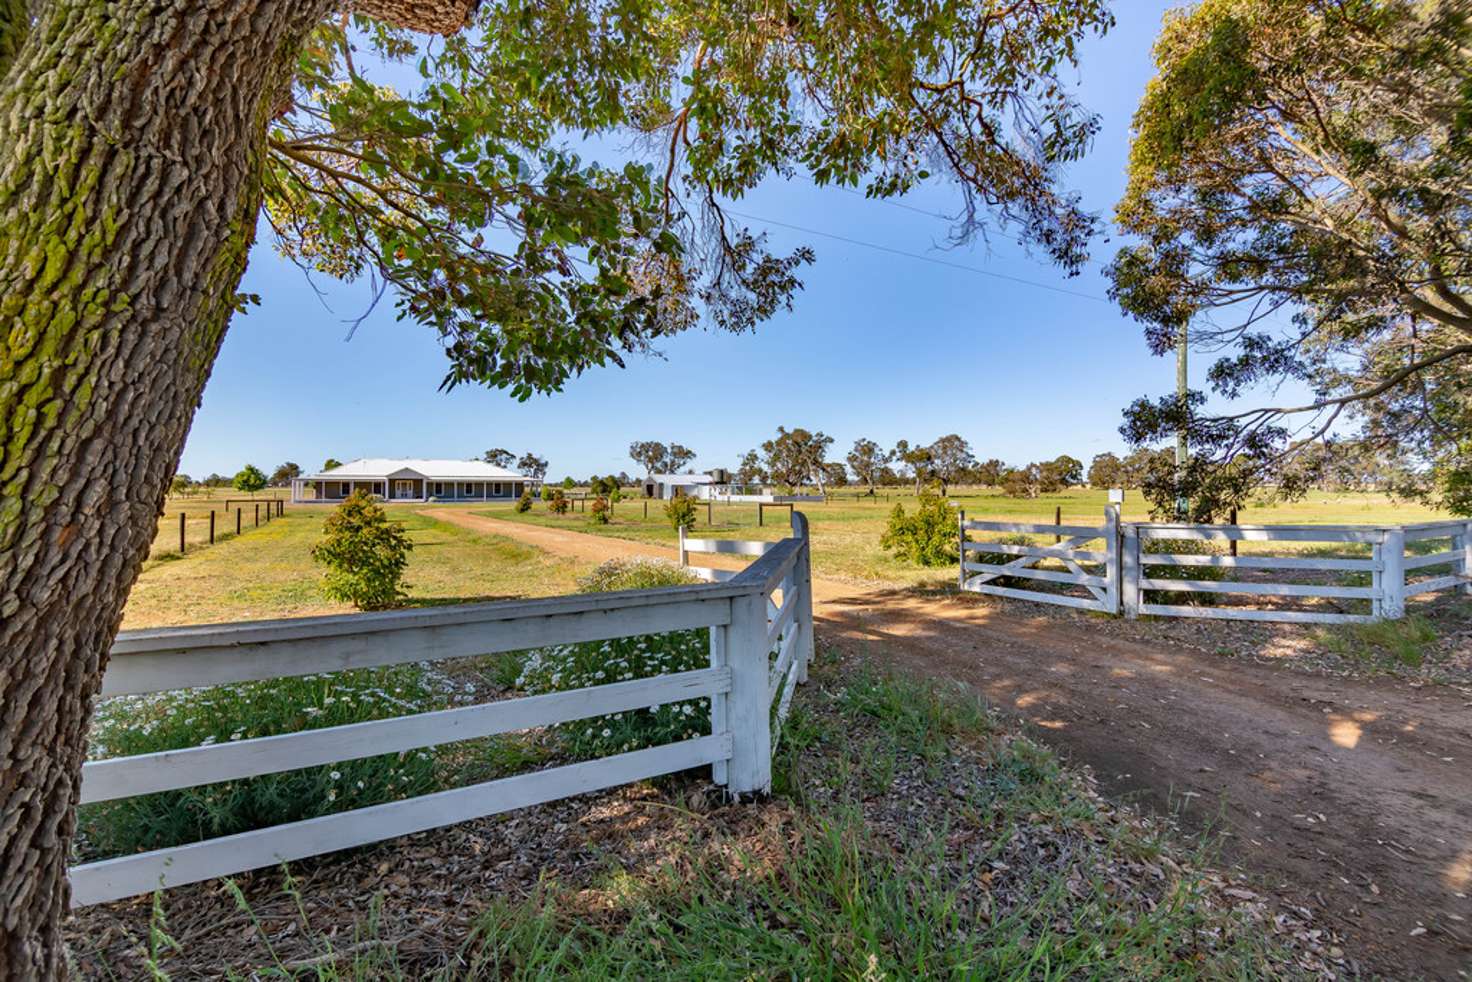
(132, 136)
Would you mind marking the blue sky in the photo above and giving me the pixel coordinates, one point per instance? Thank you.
(878, 345)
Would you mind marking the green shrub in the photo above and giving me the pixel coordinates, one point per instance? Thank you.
(929, 537)
(365, 554)
(681, 512)
(548, 492)
(599, 511)
(524, 503)
(634, 574)
(579, 666)
(130, 725)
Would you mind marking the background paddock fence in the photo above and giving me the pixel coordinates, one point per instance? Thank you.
(761, 640)
(1378, 569)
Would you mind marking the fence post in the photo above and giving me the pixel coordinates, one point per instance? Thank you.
(803, 577)
(684, 556)
(258, 514)
(720, 720)
(961, 543)
(1111, 558)
(1057, 520)
(181, 533)
(760, 513)
(1377, 577)
(1393, 579)
(708, 512)
(1465, 540)
(212, 526)
(237, 521)
(1129, 573)
(749, 704)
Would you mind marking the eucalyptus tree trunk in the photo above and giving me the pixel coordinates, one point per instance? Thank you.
(132, 135)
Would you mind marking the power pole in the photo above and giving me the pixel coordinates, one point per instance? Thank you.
(1183, 505)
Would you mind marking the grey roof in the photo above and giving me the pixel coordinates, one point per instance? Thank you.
(368, 468)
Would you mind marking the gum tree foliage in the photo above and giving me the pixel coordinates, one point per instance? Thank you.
(284, 474)
(1106, 470)
(1061, 472)
(950, 460)
(249, 479)
(143, 142)
(1299, 187)
(500, 457)
(867, 459)
(794, 457)
(532, 466)
(989, 472)
(751, 470)
(916, 461)
(330, 463)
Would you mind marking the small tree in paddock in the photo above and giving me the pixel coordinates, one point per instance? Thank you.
(249, 480)
(558, 504)
(365, 554)
(681, 512)
(181, 484)
(599, 510)
(524, 503)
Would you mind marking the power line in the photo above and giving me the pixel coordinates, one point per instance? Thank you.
(936, 214)
(923, 258)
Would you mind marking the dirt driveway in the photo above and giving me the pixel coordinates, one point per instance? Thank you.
(1352, 799)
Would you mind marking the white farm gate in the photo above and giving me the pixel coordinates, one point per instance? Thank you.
(1129, 571)
(1089, 555)
(759, 650)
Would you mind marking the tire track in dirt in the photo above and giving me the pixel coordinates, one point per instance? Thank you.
(1354, 799)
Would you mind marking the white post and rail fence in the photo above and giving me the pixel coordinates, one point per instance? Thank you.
(761, 640)
(1131, 568)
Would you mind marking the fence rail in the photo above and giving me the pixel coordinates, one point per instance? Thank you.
(1122, 575)
(759, 651)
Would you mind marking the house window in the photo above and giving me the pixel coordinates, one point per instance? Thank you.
(439, 488)
(497, 491)
(469, 489)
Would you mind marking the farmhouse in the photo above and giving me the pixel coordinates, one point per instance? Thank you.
(403, 479)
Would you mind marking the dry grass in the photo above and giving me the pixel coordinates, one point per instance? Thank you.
(268, 572)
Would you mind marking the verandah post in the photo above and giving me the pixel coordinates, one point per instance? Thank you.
(749, 704)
